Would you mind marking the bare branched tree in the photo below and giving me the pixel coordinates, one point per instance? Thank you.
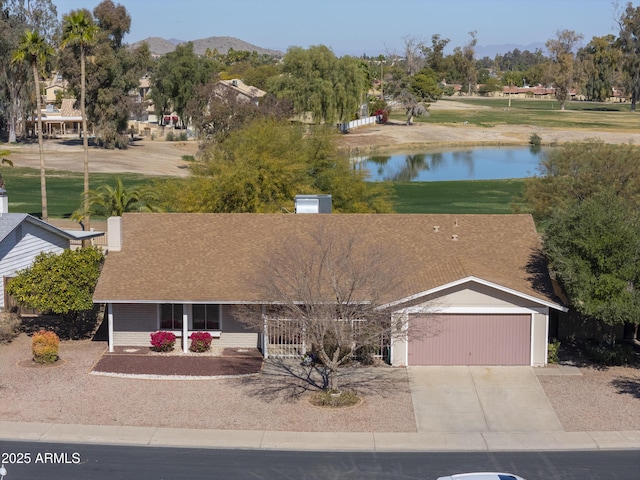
(332, 286)
(414, 55)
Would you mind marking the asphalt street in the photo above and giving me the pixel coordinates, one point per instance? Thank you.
(32, 460)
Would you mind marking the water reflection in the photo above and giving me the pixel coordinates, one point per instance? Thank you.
(466, 164)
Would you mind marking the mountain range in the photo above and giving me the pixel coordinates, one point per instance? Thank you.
(161, 46)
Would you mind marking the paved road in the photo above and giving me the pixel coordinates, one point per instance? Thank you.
(97, 462)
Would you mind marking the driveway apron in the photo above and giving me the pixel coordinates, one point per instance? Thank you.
(480, 399)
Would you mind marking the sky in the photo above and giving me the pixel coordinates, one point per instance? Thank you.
(355, 27)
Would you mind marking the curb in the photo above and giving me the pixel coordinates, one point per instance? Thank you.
(319, 441)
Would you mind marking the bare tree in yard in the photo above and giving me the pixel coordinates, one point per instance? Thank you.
(413, 54)
(331, 286)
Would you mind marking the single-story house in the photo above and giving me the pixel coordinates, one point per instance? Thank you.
(23, 237)
(482, 275)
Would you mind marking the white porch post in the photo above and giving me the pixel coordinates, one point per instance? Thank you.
(185, 328)
(110, 323)
(265, 333)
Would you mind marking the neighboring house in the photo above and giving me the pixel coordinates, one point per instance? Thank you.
(54, 85)
(23, 237)
(482, 274)
(538, 92)
(241, 90)
(64, 121)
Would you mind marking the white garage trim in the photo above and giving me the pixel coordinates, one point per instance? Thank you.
(479, 310)
(480, 281)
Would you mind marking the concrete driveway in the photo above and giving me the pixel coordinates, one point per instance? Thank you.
(480, 399)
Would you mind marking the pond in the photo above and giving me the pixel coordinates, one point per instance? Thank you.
(465, 164)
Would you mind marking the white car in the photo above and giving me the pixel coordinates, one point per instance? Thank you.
(482, 476)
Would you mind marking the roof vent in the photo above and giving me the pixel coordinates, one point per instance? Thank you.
(454, 237)
(436, 228)
(455, 224)
(320, 203)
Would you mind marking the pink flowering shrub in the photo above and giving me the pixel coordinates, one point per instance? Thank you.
(200, 341)
(163, 341)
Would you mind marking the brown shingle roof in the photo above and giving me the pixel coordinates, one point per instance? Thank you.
(177, 257)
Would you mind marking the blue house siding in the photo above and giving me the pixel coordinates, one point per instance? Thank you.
(22, 244)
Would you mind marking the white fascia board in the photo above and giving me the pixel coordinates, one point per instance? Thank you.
(479, 310)
(480, 281)
(185, 302)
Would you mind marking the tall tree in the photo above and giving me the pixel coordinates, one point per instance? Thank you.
(175, 79)
(315, 81)
(34, 49)
(112, 76)
(113, 18)
(79, 30)
(469, 52)
(629, 39)
(593, 248)
(434, 56)
(16, 17)
(414, 50)
(599, 60)
(562, 72)
(577, 171)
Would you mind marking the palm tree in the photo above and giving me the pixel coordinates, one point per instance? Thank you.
(33, 48)
(107, 201)
(78, 29)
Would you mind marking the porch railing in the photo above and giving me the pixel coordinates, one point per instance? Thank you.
(285, 338)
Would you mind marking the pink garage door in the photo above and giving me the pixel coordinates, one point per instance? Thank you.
(470, 340)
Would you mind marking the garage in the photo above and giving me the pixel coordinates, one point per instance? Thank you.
(470, 339)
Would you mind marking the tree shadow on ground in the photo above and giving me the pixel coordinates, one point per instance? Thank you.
(288, 379)
(627, 386)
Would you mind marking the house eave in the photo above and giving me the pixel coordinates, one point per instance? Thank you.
(480, 281)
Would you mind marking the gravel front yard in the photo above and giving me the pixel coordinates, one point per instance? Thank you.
(598, 400)
(67, 393)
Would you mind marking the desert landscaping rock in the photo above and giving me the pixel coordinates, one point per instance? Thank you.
(598, 400)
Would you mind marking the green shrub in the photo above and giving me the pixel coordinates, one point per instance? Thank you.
(183, 136)
(9, 326)
(44, 346)
(170, 137)
(332, 398)
(554, 351)
(535, 139)
(610, 356)
(366, 354)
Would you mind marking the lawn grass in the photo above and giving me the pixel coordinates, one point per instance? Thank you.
(469, 196)
(540, 113)
(64, 193)
(64, 189)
